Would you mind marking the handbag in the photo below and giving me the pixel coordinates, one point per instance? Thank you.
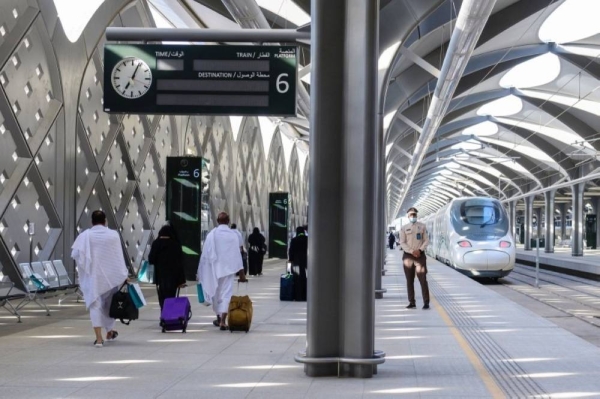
(122, 307)
(135, 292)
(39, 282)
(200, 293)
(146, 273)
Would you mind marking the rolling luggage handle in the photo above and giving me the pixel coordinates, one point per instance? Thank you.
(177, 296)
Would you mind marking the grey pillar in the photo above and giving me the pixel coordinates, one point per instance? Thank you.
(341, 300)
(538, 228)
(577, 225)
(378, 200)
(562, 207)
(595, 203)
(512, 216)
(527, 222)
(549, 211)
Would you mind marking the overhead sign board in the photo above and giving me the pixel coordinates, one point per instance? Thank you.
(200, 79)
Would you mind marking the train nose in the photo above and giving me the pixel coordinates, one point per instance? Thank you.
(486, 259)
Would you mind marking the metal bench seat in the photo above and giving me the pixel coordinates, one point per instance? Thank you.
(8, 292)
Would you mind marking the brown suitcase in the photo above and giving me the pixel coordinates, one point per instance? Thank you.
(239, 315)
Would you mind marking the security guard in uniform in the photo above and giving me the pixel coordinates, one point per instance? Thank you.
(414, 241)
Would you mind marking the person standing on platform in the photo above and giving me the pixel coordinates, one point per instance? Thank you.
(391, 240)
(414, 241)
(220, 261)
(298, 256)
(98, 253)
(167, 257)
(243, 251)
(256, 252)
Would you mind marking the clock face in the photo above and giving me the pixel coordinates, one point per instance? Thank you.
(131, 77)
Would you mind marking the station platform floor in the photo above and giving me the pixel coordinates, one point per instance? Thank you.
(587, 265)
(472, 343)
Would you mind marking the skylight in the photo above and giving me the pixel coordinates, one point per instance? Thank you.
(159, 18)
(582, 104)
(236, 122)
(467, 145)
(267, 131)
(286, 9)
(486, 128)
(561, 135)
(523, 149)
(504, 106)
(534, 72)
(386, 58)
(387, 120)
(74, 15)
(571, 21)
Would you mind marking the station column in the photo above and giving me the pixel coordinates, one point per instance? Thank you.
(378, 203)
(577, 221)
(341, 300)
(512, 214)
(562, 207)
(527, 223)
(549, 210)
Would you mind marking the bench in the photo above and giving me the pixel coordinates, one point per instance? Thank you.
(35, 287)
(64, 281)
(8, 292)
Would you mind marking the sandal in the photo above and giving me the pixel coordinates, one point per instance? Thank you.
(224, 328)
(113, 335)
(98, 345)
(217, 322)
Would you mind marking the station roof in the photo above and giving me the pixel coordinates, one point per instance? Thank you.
(524, 115)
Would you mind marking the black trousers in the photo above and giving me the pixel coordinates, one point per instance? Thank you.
(300, 283)
(165, 291)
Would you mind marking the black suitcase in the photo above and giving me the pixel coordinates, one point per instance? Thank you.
(286, 289)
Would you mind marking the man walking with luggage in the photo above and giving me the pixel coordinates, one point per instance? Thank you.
(221, 259)
(98, 254)
(414, 241)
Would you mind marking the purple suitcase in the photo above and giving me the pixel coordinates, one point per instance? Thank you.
(175, 314)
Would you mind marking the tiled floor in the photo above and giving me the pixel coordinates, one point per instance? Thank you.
(425, 357)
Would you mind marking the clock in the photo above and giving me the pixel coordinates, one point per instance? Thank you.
(131, 78)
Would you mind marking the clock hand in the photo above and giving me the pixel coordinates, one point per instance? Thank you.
(134, 72)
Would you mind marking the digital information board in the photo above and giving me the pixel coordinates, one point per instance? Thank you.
(200, 79)
(187, 207)
(278, 225)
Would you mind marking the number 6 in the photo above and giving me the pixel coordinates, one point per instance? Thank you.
(280, 83)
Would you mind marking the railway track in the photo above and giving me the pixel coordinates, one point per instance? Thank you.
(574, 296)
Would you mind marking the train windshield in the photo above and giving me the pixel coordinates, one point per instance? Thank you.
(479, 218)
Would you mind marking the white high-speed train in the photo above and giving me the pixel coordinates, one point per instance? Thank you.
(472, 235)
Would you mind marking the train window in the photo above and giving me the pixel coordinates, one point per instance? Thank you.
(479, 218)
(481, 214)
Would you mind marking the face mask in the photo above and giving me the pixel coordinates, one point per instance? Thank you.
(412, 219)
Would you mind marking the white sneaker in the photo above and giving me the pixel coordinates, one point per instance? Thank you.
(99, 344)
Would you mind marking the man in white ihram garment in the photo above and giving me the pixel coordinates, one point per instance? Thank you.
(102, 270)
(221, 259)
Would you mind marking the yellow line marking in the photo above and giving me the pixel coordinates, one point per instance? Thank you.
(485, 375)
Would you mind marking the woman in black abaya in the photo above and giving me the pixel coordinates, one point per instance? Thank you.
(256, 253)
(167, 257)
